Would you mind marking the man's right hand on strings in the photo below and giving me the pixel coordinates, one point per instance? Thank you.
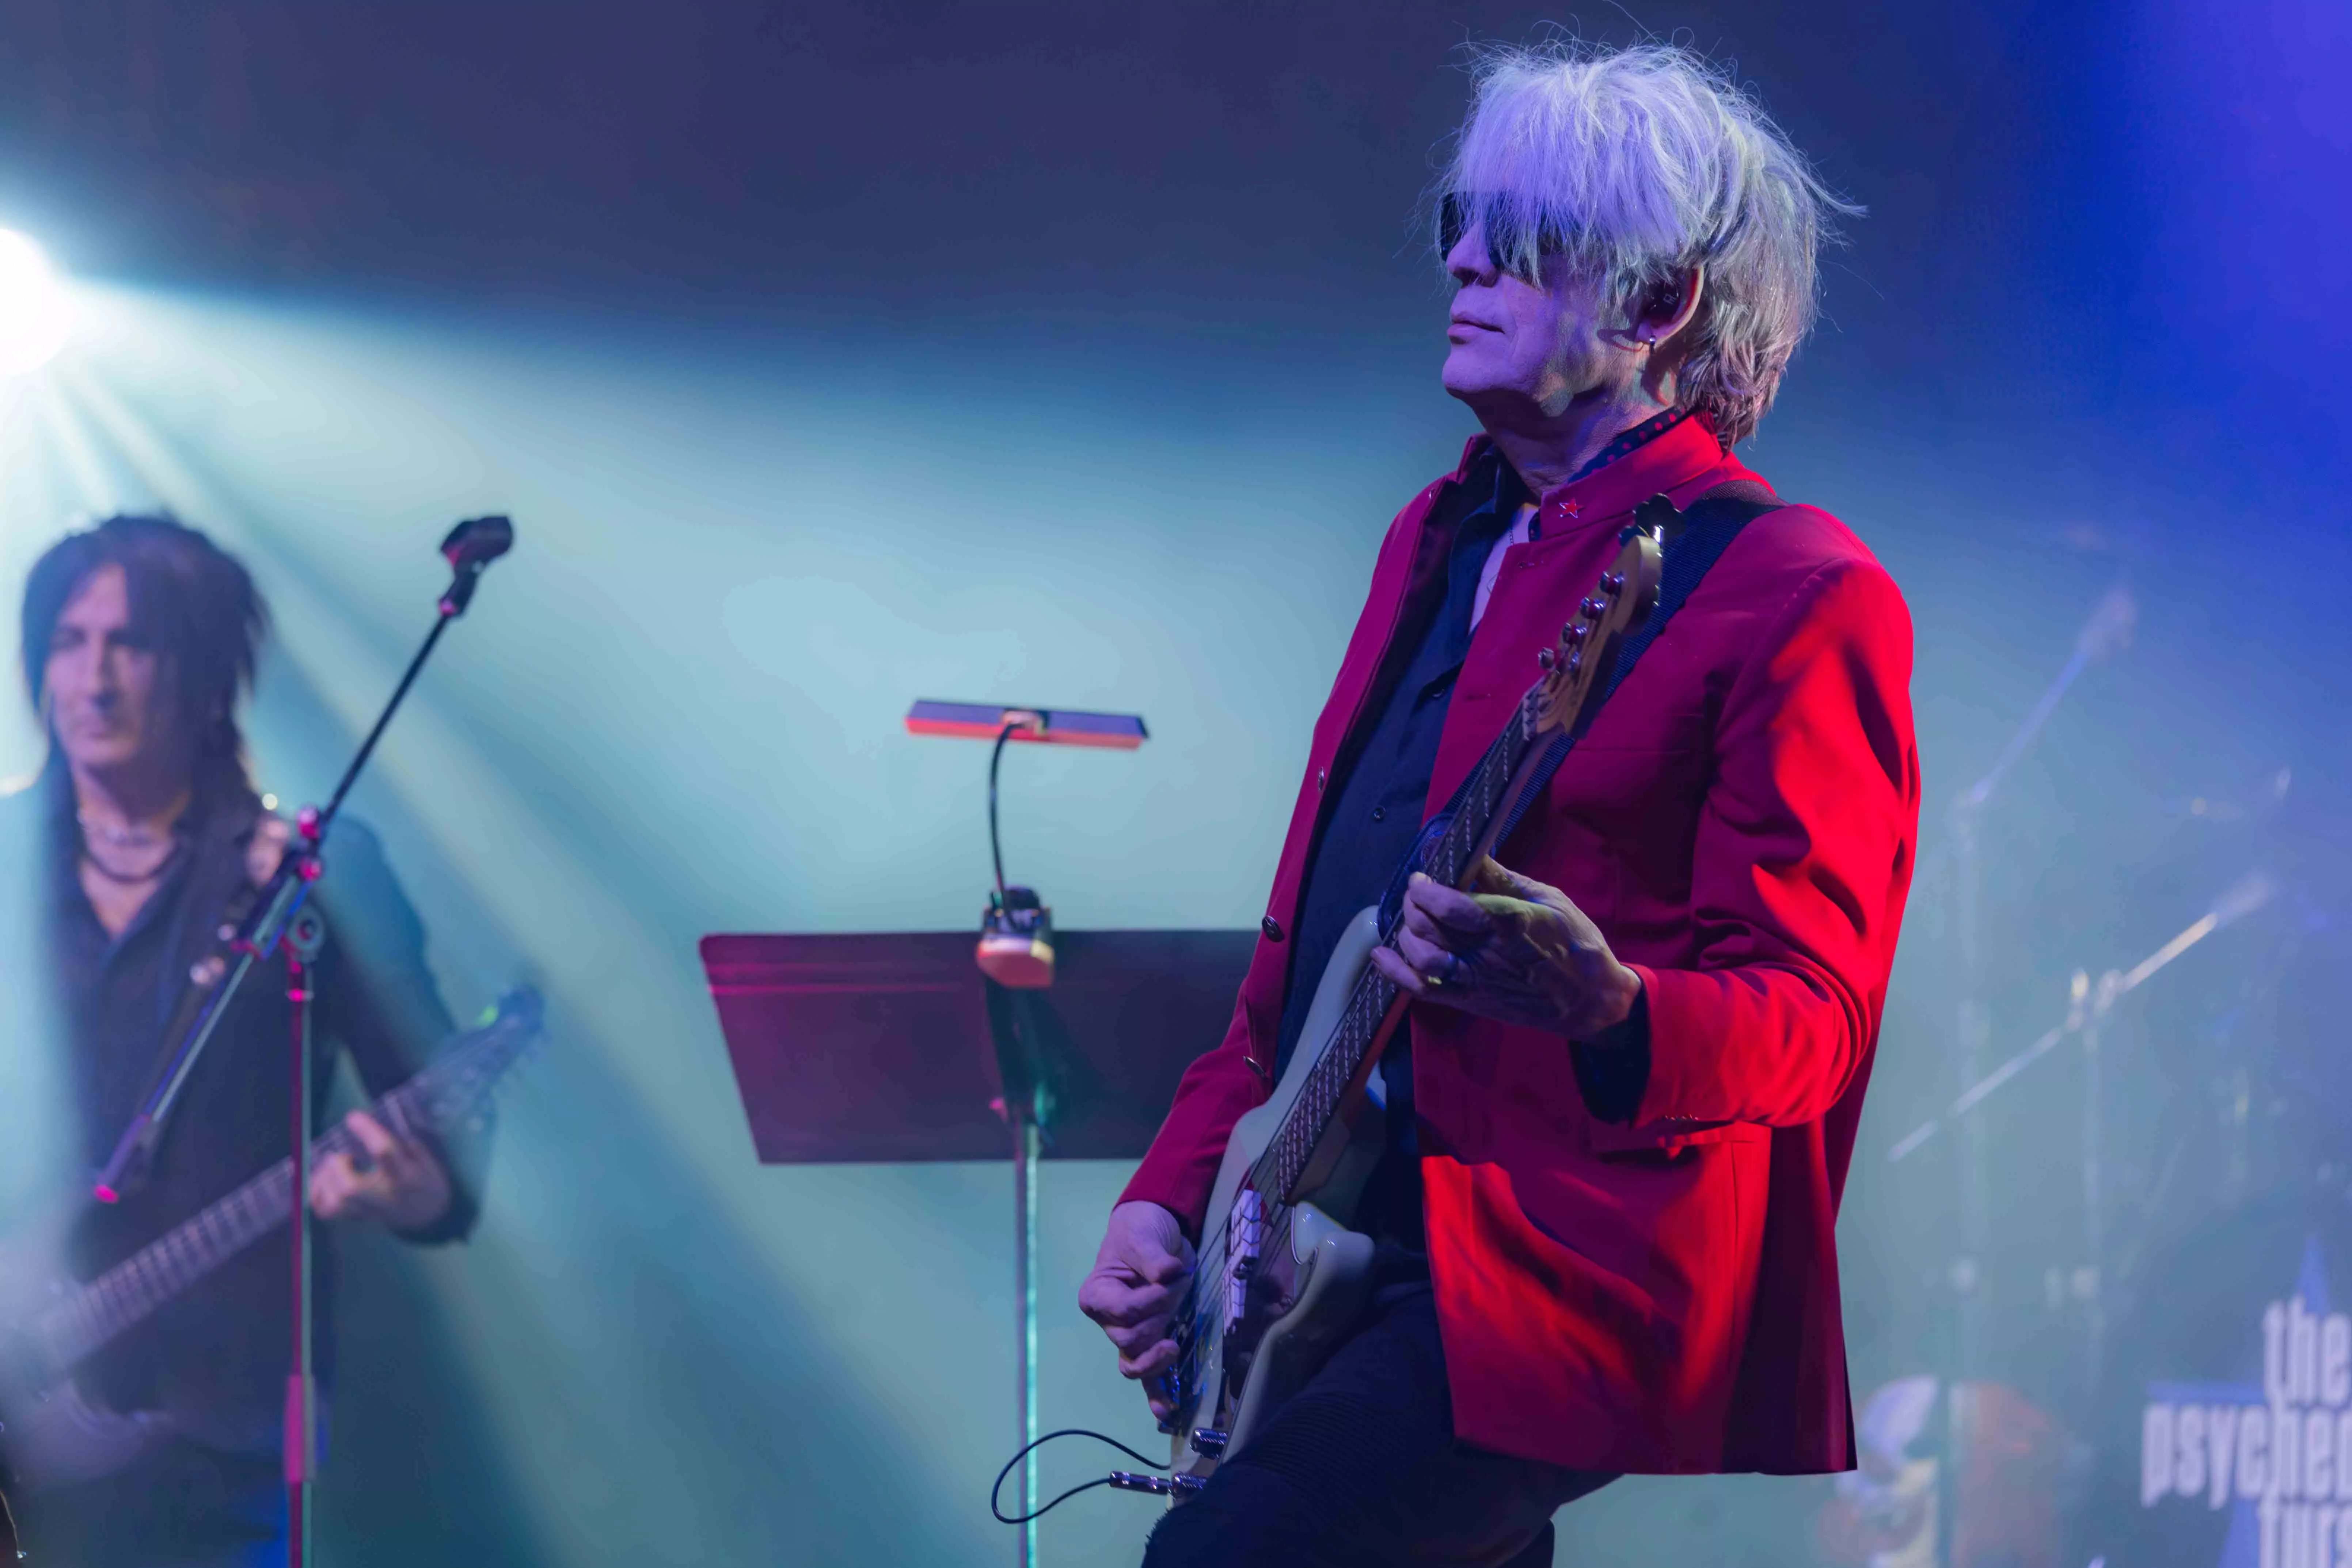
(1133, 1291)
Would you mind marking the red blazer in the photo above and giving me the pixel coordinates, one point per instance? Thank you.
(1740, 821)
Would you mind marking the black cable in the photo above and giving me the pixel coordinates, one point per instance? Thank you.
(995, 850)
(994, 1492)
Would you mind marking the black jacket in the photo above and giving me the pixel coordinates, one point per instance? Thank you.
(97, 1008)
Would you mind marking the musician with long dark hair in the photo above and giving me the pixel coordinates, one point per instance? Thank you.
(140, 639)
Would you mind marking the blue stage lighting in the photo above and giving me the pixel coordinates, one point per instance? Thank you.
(36, 311)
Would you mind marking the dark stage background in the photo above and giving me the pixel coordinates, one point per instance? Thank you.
(829, 357)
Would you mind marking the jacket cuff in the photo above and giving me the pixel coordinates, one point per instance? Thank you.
(1183, 1189)
(456, 1222)
(1676, 1013)
(1613, 1069)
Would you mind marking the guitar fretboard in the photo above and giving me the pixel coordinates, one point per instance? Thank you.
(1447, 860)
(1552, 713)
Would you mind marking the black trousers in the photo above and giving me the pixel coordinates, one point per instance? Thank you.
(182, 1506)
(1361, 1469)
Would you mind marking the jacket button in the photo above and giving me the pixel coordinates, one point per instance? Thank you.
(1321, 778)
(1272, 927)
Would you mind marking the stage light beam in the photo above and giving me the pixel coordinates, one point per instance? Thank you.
(36, 313)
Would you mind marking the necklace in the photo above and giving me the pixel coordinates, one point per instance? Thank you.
(129, 879)
(127, 839)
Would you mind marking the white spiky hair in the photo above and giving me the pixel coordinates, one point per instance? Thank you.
(1638, 163)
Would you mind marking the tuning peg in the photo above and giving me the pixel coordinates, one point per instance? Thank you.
(1613, 583)
(1544, 659)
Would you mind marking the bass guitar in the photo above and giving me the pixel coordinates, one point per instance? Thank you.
(51, 1435)
(1280, 1278)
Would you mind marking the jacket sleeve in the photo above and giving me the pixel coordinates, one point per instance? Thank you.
(1803, 862)
(1181, 1165)
(1216, 1089)
(378, 1000)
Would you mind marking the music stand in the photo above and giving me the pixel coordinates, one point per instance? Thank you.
(894, 1047)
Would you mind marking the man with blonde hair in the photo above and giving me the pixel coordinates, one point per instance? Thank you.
(1622, 1106)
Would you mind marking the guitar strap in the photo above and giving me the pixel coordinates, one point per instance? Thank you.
(187, 1003)
(1694, 541)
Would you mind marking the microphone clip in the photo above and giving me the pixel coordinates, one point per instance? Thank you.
(471, 546)
(1017, 940)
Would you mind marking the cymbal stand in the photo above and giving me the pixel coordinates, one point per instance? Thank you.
(2107, 629)
(2090, 1004)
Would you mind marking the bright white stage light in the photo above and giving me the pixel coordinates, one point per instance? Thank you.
(35, 312)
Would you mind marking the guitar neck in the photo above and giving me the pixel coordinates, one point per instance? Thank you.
(1448, 859)
(130, 1292)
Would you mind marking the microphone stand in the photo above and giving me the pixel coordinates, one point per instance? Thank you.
(277, 918)
(1027, 1072)
(306, 936)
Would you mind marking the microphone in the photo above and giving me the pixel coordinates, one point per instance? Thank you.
(470, 547)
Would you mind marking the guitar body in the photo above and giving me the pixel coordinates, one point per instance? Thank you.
(49, 1434)
(57, 1438)
(1307, 1289)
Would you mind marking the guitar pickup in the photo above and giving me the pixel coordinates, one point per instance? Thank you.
(1245, 1242)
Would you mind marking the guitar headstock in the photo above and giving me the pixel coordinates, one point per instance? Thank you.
(1577, 668)
(461, 1076)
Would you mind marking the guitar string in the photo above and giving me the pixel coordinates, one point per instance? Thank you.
(1370, 1003)
(1294, 1142)
(1449, 860)
(128, 1293)
(1293, 1147)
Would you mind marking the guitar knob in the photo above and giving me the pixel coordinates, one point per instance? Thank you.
(1158, 1485)
(1207, 1442)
